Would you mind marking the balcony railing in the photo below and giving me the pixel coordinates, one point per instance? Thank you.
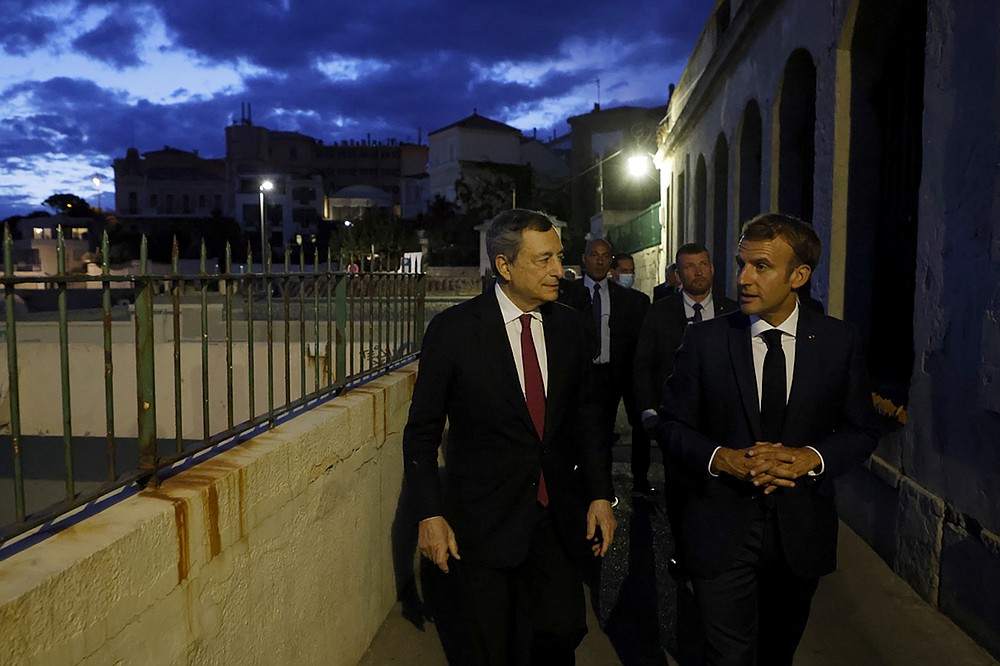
(205, 360)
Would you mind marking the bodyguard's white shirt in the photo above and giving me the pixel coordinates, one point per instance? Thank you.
(512, 324)
(588, 282)
(707, 306)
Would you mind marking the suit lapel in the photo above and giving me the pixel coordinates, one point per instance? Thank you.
(746, 379)
(807, 348)
(494, 341)
(558, 359)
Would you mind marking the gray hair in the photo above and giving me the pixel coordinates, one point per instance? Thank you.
(504, 235)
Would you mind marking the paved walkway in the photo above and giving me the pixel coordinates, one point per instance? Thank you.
(862, 614)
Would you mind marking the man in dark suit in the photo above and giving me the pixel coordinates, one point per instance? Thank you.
(654, 358)
(527, 485)
(615, 315)
(670, 285)
(765, 408)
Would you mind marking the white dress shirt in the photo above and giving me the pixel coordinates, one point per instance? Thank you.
(707, 306)
(759, 348)
(588, 282)
(512, 323)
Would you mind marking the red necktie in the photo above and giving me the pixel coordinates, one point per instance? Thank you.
(534, 391)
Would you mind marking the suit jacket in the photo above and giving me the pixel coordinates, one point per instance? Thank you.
(658, 341)
(711, 400)
(493, 457)
(663, 290)
(628, 310)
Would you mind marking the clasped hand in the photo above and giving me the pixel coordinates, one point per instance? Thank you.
(767, 464)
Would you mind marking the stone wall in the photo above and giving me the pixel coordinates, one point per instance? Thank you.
(276, 551)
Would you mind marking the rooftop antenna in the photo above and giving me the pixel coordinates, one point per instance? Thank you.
(598, 93)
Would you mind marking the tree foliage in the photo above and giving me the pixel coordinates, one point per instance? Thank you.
(69, 204)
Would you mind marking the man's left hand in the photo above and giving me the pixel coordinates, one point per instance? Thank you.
(601, 515)
(780, 465)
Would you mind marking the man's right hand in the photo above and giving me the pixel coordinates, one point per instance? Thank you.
(736, 462)
(436, 541)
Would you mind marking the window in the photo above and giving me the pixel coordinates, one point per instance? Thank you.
(39, 233)
(201, 201)
(133, 203)
(170, 204)
(152, 203)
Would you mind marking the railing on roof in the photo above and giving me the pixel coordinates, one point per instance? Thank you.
(348, 326)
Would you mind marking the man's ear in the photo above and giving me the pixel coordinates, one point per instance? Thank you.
(502, 267)
(800, 275)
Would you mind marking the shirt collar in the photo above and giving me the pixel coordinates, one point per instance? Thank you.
(508, 310)
(788, 327)
(705, 302)
(589, 282)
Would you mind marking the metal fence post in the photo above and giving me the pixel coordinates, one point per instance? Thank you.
(145, 373)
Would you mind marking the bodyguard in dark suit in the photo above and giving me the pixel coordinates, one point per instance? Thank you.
(658, 341)
(615, 316)
(765, 408)
(670, 285)
(528, 489)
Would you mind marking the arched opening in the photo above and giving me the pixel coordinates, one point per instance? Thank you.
(886, 113)
(795, 131)
(721, 248)
(700, 200)
(748, 165)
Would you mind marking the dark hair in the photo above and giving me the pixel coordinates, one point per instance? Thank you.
(504, 235)
(689, 248)
(618, 257)
(799, 234)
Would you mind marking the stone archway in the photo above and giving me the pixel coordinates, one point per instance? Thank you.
(721, 244)
(748, 165)
(699, 210)
(886, 49)
(794, 131)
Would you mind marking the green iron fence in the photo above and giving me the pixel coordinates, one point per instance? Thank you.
(639, 233)
(214, 358)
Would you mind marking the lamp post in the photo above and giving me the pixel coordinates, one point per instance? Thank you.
(96, 179)
(266, 186)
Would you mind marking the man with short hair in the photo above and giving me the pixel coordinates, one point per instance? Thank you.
(654, 359)
(527, 493)
(623, 269)
(671, 283)
(764, 409)
(616, 314)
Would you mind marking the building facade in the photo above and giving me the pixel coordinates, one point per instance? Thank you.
(856, 115)
(478, 149)
(303, 173)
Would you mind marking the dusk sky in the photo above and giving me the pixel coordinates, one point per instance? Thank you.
(80, 82)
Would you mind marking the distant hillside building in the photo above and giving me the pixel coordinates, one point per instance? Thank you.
(477, 148)
(303, 171)
(170, 183)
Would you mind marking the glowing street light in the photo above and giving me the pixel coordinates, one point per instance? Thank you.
(266, 186)
(97, 179)
(638, 165)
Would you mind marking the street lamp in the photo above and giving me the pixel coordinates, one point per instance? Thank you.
(266, 186)
(96, 179)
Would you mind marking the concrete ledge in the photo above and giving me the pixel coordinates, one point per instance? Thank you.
(277, 551)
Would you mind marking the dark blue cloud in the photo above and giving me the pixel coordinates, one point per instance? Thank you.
(114, 41)
(427, 76)
(21, 34)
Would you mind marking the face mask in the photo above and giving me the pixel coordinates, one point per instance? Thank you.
(626, 280)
